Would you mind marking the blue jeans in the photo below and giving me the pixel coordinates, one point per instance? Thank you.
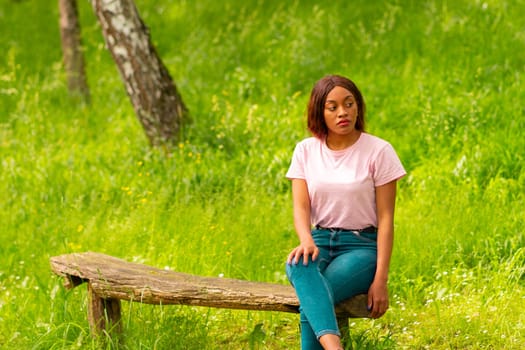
(345, 267)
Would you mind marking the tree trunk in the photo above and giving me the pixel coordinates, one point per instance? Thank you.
(148, 83)
(72, 49)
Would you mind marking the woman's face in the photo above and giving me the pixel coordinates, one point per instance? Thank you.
(340, 112)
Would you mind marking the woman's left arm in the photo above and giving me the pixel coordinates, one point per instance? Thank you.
(378, 292)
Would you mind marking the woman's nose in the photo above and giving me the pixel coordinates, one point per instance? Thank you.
(341, 111)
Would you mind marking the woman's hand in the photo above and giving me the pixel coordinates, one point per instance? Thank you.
(305, 250)
(377, 299)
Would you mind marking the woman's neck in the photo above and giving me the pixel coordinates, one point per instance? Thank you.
(339, 142)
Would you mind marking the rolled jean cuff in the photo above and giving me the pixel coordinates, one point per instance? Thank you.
(327, 331)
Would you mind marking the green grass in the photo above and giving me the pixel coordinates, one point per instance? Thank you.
(443, 81)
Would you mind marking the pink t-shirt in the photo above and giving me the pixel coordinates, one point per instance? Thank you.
(341, 184)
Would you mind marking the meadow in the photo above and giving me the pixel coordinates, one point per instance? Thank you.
(443, 81)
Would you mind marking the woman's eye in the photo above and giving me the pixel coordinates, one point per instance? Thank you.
(331, 108)
(349, 104)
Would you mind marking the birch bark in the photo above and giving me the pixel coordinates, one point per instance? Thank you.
(154, 96)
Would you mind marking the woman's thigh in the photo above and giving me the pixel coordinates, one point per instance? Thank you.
(351, 273)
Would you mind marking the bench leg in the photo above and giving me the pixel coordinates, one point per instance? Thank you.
(103, 314)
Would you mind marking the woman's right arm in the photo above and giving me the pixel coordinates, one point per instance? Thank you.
(301, 218)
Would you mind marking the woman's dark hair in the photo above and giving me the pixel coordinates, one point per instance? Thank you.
(316, 105)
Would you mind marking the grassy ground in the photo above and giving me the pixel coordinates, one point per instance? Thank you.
(443, 81)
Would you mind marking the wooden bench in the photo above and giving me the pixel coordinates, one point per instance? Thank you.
(110, 280)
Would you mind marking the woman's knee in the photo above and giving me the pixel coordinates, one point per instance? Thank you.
(294, 270)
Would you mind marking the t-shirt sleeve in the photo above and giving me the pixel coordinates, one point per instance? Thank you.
(388, 166)
(296, 169)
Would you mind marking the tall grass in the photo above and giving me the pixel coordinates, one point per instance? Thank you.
(443, 81)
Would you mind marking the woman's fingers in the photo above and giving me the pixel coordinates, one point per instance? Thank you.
(378, 308)
(292, 256)
(304, 252)
(315, 254)
(377, 299)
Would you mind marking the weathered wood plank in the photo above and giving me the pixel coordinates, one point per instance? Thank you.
(113, 278)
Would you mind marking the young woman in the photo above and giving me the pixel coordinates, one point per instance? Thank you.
(344, 189)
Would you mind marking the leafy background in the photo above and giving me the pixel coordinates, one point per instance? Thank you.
(443, 82)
